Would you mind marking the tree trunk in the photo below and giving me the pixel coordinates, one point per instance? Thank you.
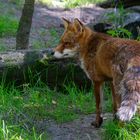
(23, 32)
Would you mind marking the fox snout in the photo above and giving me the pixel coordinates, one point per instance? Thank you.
(55, 53)
(66, 53)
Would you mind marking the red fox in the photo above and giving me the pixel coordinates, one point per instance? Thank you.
(104, 58)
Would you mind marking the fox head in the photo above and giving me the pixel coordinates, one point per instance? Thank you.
(69, 42)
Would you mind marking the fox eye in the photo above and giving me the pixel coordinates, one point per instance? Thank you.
(66, 43)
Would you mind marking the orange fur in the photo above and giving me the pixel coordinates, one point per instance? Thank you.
(102, 58)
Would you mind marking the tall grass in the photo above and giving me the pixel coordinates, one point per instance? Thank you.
(127, 131)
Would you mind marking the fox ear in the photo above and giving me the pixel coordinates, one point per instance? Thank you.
(66, 23)
(78, 25)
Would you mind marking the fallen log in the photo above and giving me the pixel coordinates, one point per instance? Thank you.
(33, 66)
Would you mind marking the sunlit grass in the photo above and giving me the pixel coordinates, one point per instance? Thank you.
(127, 131)
(68, 3)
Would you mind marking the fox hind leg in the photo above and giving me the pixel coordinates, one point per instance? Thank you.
(116, 99)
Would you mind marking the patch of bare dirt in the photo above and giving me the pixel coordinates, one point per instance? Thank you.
(79, 129)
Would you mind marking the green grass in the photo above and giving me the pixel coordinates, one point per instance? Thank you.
(127, 131)
(8, 26)
(14, 132)
(21, 109)
(120, 32)
(2, 47)
(77, 3)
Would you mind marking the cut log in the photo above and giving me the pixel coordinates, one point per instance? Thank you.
(32, 66)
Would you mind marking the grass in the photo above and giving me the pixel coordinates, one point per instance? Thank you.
(2, 47)
(129, 131)
(11, 106)
(8, 26)
(22, 108)
(14, 132)
(77, 3)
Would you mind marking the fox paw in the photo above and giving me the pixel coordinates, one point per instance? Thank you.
(97, 123)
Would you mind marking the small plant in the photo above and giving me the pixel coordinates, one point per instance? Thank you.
(77, 3)
(138, 38)
(2, 48)
(116, 17)
(120, 32)
(46, 2)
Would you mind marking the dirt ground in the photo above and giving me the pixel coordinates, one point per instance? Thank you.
(79, 129)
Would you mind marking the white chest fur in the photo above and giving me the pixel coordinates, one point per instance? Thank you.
(82, 65)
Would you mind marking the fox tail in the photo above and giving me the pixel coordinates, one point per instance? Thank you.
(130, 93)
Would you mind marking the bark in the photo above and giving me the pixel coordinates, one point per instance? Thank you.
(31, 66)
(125, 3)
(23, 32)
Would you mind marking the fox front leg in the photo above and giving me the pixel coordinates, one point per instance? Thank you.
(97, 93)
